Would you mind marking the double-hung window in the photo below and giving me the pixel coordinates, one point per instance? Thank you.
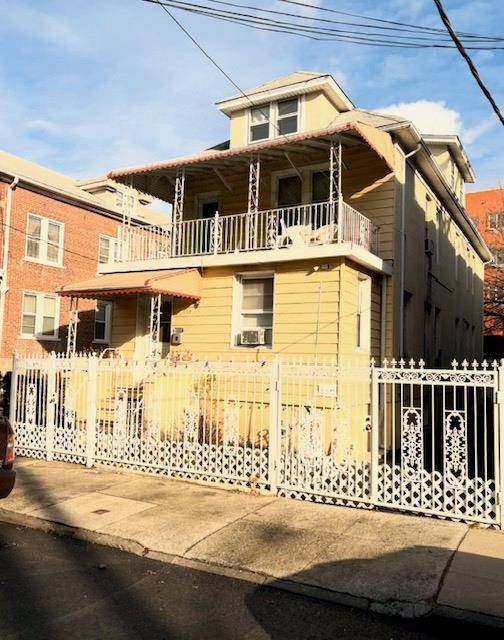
(106, 249)
(102, 321)
(256, 306)
(287, 116)
(44, 240)
(40, 316)
(260, 123)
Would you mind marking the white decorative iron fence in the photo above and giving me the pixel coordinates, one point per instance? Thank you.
(301, 225)
(423, 440)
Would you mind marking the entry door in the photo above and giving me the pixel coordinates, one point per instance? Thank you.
(166, 325)
(208, 206)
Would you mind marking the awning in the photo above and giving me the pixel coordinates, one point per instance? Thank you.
(179, 283)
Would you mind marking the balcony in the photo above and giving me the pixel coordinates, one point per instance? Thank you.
(274, 229)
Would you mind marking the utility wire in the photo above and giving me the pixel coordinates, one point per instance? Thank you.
(314, 31)
(467, 58)
(382, 20)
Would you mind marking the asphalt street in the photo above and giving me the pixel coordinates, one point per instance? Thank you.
(56, 588)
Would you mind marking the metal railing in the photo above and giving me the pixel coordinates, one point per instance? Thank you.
(302, 225)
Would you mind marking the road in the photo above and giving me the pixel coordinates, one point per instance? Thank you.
(58, 588)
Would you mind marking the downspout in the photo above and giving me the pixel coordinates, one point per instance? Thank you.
(5, 254)
(402, 277)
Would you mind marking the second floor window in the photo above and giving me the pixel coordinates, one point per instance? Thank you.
(106, 250)
(260, 123)
(44, 240)
(495, 221)
(287, 116)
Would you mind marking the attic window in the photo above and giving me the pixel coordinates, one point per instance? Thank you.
(259, 123)
(287, 116)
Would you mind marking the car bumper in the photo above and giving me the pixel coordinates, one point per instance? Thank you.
(7, 480)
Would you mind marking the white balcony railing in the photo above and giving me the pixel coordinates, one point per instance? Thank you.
(302, 225)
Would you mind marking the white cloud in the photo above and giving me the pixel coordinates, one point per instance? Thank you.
(471, 134)
(428, 116)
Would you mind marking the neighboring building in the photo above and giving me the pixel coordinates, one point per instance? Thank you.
(52, 232)
(486, 209)
(318, 229)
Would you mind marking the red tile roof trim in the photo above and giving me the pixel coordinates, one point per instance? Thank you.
(253, 148)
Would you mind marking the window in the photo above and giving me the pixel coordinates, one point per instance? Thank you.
(495, 221)
(102, 321)
(44, 240)
(498, 257)
(287, 121)
(290, 191)
(364, 314)
(260, 123)
(40, 316)
(256, 306)
(119, 199)
(106, 249)
(320, 186)
(283, 114)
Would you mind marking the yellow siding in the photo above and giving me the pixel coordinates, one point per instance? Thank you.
(318, 111)
(123, 330)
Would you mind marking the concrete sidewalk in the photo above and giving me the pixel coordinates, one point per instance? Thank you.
(387, 562)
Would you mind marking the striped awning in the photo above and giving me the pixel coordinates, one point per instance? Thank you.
(179, 283)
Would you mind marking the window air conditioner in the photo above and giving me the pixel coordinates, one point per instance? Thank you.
(429, 246)
(252, 337)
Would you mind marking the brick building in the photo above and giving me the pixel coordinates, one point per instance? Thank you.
(486, 209)
(54, 232)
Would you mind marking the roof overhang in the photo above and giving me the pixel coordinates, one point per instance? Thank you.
(457, 151)
(325, 83)
(179, 283)
(154, 177)
(410, 140)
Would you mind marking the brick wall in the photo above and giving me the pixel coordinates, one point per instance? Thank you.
(81, 236)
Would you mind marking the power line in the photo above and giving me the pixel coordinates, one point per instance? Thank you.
(316, 32)
(467, 58)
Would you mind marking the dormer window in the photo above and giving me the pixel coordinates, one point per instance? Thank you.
(287, 116)
(260, 123)
(284, 114)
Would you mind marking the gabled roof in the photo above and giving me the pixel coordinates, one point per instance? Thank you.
(292, 84)
(457, 151)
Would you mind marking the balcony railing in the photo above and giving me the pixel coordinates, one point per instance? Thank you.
(299, 226)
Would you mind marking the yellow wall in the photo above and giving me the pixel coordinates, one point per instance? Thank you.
(317, 112)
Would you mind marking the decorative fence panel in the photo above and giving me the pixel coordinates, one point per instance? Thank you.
(429, 441)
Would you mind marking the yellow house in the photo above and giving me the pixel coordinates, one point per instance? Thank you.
(319, 229)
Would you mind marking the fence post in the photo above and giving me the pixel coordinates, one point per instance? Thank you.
(375, 425)
(51, 405)
(216, 234)
(13, 393)
(274, 426)
(91, 410)
(499, 452)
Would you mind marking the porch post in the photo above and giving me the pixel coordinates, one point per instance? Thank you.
(178, 206)
(72, 326)
(155, 326)
(335, 196)
(253, 200)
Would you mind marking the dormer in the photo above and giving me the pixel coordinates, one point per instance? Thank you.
(298, 102)
(451, 158)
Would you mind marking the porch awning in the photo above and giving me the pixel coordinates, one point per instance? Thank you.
(179, 283)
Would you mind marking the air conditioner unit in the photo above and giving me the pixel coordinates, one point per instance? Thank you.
(429, 246)
(253, 337)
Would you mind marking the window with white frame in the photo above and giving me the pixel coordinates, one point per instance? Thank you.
(40, 316)
(364, 313)
(495, 221)
(102, 321)
(287, 116)
(254, 309)
(284, 114)
(260, 123)
(44, 240)
(106, 249)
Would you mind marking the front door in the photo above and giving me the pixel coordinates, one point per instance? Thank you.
(208, 206)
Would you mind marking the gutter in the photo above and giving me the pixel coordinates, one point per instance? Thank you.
(5, 253)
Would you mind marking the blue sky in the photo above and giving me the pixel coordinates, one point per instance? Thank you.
(91, 85)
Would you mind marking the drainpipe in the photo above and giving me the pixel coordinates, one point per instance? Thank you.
(403, 251)
(5, 254)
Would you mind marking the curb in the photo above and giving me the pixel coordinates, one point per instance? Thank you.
(409, 610)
